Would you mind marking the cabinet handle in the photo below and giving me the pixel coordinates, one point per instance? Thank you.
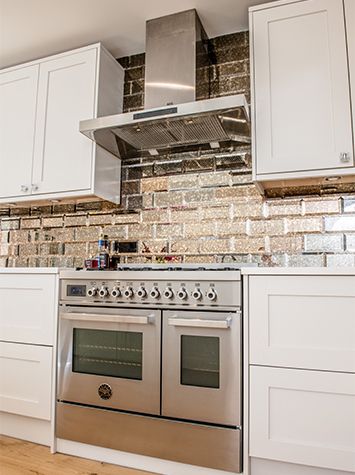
(195, 322)
(91, 317)
(345, 157)
(34, 187)
(24, 188)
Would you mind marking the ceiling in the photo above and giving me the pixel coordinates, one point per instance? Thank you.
(38, 28)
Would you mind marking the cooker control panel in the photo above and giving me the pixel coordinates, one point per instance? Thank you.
(162, 292)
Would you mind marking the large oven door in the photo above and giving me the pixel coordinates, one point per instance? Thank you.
(110, 358)
(202, 366)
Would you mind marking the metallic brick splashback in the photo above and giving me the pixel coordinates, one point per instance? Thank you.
(192, 207)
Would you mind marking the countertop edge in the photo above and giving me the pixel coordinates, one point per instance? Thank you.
(30, 270)
(350, 271)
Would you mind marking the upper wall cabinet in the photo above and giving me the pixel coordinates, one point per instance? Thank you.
(302, 118)
(43, 156)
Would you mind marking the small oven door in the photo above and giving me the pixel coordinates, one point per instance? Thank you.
(110, 358)
(202, 366)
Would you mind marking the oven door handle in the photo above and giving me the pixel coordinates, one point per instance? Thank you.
(200, 323)
(94, 317)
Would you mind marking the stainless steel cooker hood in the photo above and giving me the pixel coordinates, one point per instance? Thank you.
(173, 121)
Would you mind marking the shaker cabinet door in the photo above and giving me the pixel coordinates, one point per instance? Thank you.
(303, 322)
(303, 417)
(62, 155)
(25, 380)
(18, 96)
(28, 308)
(301, 88)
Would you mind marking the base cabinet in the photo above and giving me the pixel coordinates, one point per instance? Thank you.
(304, 417)
(28, 307)
(272, 467)
(26, 380)
(43, 156)
(303, 322)
(28, 335)
(301, 335)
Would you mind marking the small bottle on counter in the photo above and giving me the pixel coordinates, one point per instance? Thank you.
(91, 263)
(104, 255)
(115, 258)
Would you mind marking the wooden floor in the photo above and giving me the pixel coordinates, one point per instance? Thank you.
(18, 457)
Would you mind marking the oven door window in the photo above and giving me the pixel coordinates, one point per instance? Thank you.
(200, 361)
(108, 353)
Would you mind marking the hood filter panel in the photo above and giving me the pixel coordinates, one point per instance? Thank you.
(192, 126)
(172, 133)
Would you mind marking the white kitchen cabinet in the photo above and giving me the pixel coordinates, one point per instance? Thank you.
(304, 417)
(301, 108)
(28, 324)
(303, 322)
(300, 344)
(42, 153)
(26, 380)
(18, 93)
(28, 308)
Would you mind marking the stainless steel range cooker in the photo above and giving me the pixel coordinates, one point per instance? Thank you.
(150, 362)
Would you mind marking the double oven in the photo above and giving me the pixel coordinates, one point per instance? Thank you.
(149, 362)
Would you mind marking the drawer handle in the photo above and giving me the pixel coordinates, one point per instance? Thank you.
(92, 317)
(199, 323)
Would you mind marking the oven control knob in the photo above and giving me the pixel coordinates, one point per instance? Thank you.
(155, 293)
(103, 292)
(182, 294)
(141, 292)
(197, 294)
(115, 292)
(92, 292)
(168, 293)
(128, 293)
(212, 294)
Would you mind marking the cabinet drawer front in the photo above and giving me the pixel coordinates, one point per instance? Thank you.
(305, 417)
(25, 380)
(303, 322)
(28, 306)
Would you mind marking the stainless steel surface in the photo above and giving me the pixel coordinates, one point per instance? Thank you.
(214, 447)
(220, 406)
(176, 49)
(194, 322)
(161, 344)
(100, 317)
(189, 126)
(128, 394)
(162, 288)
(345, 157)
(171, 47)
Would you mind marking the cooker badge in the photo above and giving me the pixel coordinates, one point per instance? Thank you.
(105, 391)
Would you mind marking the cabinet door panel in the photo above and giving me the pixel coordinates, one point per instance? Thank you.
(303, 322)
(28, 308)
(25, 380)
(18, 96)
(302, 106)
(63, 157)
(350, 33)
(305, 417)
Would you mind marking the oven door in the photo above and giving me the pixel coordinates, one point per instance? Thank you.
(110, 358)
(202, 366)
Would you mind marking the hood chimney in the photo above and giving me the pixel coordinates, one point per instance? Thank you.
(176, 47)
